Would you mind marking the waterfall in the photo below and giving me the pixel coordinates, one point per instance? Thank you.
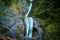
(29, 22)
(16, 22)
(29, 9)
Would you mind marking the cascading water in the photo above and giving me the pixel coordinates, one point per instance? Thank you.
(29, 22)
(16, 22)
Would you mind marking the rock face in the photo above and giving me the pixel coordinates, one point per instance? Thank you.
(14, 22)
(3, 37)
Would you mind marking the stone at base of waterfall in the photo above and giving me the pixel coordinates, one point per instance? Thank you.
(12, 33)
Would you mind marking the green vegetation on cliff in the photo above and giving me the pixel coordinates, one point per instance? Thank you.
(46, 10)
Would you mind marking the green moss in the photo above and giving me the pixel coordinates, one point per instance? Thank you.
(2, 29)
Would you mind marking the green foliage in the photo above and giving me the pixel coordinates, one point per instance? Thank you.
(2, 29)
(5, 2)
(46, 10)
(49, 12)
(2, 14)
